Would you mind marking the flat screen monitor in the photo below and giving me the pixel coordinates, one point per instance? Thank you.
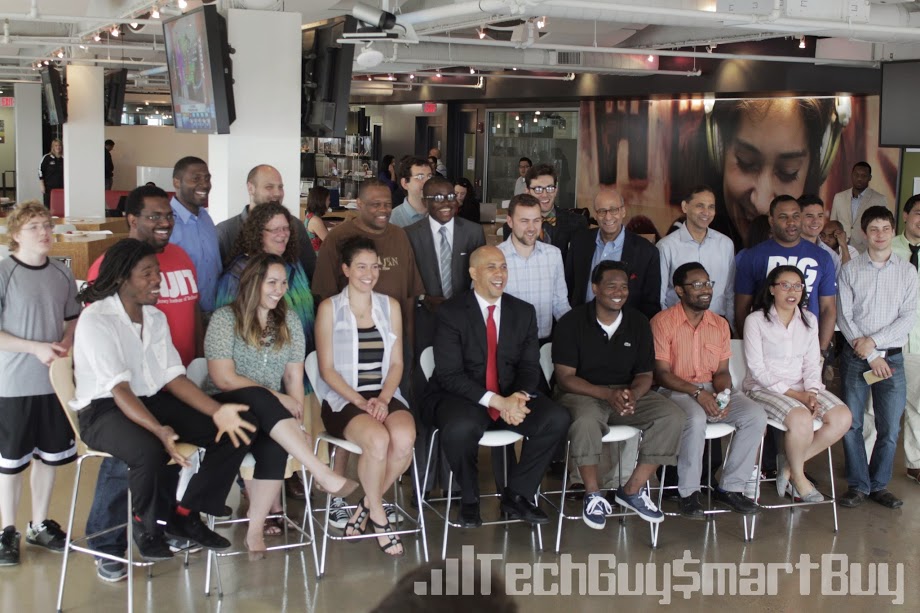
(54, 95)
(898, 125)
(200, 72)
(115, 87)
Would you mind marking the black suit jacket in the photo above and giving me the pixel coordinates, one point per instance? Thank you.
(460, 350)
(468, 237)
(640, 255)
(568, 224)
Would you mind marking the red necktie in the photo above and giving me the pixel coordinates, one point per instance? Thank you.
(492, 359)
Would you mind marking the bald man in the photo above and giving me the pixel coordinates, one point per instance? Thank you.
(487, 375)
(612, 241)
(264, 184)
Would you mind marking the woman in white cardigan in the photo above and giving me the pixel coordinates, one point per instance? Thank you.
(359, 349)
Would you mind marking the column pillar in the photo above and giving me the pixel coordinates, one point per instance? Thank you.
(84, 138)
(267, 128)
(28, 124)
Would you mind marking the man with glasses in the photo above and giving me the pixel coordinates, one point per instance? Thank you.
(414, 172)
(38, 314)
(877, 307)
(695, 241)
(692, 349)
(520, 185)
(150, 220)
(907, 247)
(612, 241)
(264, 184)
(559, 224)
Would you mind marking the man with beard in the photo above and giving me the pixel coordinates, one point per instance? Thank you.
(264, 185)
(692, 349)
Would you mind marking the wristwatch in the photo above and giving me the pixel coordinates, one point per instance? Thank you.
(696, 394)
(826, 353)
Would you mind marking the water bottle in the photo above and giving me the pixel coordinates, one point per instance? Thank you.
(722, 401)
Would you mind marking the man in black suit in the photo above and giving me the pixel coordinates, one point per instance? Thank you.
(487, 371)
(559, 224)
(612, 241)
(428, 237)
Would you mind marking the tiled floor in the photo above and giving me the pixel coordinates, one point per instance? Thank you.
(358, 575)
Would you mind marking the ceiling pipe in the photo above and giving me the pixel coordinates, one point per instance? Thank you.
(602, 70)
(656, 52)
(76, 19)
(81, 61)
(27, 41)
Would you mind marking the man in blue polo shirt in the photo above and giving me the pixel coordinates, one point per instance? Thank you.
(787, 247)
(194, 230)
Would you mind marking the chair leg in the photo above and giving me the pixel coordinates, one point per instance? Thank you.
(420, 522)
(130, 548)
(73, 509)
(653, 528)
(757, 486)
(450, 483)
(565, 481)
(830, 476)
(308, 515)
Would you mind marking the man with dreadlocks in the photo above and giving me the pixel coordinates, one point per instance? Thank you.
(135, 402)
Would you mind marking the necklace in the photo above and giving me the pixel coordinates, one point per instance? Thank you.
(362, 314)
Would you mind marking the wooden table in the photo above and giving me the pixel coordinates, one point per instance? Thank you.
(81, 251)
(115, 225)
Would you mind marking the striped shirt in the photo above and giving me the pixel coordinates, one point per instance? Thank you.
(539, 280)
(693, 353)
(879, 302)
(370, 360)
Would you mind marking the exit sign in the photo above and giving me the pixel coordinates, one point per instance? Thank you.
(7, 101)
(429, 107)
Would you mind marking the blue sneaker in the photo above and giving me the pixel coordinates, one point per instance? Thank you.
(596, 510)
(641, 504)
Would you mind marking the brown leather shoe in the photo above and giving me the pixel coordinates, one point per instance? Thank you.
(914, 473)
(293, 488)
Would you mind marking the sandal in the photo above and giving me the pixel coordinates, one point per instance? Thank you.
(358, 525)
(394, 540)
(274, 526)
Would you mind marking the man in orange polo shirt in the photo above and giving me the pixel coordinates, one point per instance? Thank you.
(692, 348)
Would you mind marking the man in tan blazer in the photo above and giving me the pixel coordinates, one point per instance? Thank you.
(850, 203)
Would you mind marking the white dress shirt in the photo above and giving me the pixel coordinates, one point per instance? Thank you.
(109, 349)
(497, 316)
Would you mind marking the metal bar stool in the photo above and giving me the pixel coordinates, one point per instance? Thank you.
(492, 438)
(832, 500)
(197, 372)
(312, 368)
(61, 373)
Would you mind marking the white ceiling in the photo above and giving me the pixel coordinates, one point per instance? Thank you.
(608, 36)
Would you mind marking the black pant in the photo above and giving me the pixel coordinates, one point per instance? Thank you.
(271, 458)
(104, 427)
(462, 424)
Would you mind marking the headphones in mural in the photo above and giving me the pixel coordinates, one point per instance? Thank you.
(830, 140)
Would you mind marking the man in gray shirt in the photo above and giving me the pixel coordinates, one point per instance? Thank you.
(38, 314)
(414, 172)
(264, 185)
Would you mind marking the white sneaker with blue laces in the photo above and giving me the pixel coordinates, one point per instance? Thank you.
(641, 504)
(596, 510)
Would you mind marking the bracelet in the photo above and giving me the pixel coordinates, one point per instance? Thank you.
(696, 394)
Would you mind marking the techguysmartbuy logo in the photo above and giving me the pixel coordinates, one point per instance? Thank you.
(829, 574)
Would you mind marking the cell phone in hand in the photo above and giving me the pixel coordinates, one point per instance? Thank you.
(871, 378)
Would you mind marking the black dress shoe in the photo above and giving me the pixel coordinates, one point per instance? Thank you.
(737, 502)
(576, 491)
(691, 508)
(190, 527)
(151, 545)
(469, 515)
(886, 499)
(852, 498)
(515, 506)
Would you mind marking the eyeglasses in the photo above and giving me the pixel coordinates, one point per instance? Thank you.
(279, 230)
(612, 212)
(549, 189)
(157, 217)
(786, 286)
(34, 227)
(451, 197)
(422, 177)
(698, 285)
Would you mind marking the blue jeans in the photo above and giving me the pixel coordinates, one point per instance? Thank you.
(888, 399)
(110, 506)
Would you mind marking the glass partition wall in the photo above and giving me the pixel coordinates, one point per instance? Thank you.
(543, 135)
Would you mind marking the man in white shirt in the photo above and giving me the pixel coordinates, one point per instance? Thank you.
(134, 401)
(850, 204)
(834, 236)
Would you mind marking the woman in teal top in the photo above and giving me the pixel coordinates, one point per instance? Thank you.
(268, 230)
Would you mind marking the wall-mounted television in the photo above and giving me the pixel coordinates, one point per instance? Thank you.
(898, 125)
(54, 96)
(326, 68)
(115, 86)
(200, 71)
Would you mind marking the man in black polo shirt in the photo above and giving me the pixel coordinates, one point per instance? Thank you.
(604, 358)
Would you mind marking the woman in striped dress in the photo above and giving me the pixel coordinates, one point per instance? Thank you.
(359, 346)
